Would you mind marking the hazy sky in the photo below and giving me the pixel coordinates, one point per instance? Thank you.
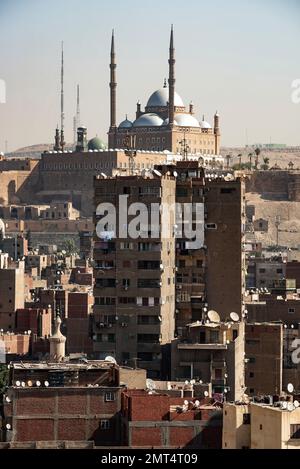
(235, 56)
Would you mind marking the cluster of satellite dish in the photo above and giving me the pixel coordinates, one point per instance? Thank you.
(213, 316)
(227, 177)
(29, 383)
(288, 405)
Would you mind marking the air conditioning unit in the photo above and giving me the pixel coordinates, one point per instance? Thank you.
(178, 287)
(101, 324)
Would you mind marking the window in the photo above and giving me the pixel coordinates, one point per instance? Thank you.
(104, 424)
(110, 396)
(295, 431)
(210, 226)
(260, 427)
(246, 419)
(251, 374)
(291, 310)
(262, 271)
(279, 271)
(228, 190)
(251, 360)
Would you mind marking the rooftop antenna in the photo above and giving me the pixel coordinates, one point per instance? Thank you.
(234, 317)
(213, 316)
(62, 116)
(290, 387)
(76, 118)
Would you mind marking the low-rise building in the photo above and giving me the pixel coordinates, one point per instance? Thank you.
(261, 426)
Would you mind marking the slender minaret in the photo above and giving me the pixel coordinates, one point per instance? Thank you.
(76, 118)
(57, 342)
(77, 109)
(171, 78)
(113, 83)
(62, 116)
(217, 132)
(57, 142)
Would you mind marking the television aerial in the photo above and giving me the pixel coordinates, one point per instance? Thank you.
(110, 359)
(290, 387)
(213, 316)
(234, 317)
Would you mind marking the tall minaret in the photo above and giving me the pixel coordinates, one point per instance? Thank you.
(62, 116)
(113, 83)
(217, 132)
(57, 342)
(171, 78)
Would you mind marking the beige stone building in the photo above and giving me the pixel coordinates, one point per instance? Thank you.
(261, 426)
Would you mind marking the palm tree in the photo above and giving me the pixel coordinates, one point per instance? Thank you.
(240, 159)
(228, 158)
(266, 161)
(257, 153)
(250, 160)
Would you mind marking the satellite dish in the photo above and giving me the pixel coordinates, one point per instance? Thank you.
(290, 387)
(18, 383)
(157, 172)
(8, 426)
(206, 393)
(197, 403)
(284, 405)
(46, 383)
(7, 399)
(186, 382)
(213, 316)
(296, 404)
(110, 359)
(186, 402)
(150, 384)
(175, 173)
(38, 383)
(23, 384)
(234, 317)
(193, 381)
(290, 406)
(29, 383)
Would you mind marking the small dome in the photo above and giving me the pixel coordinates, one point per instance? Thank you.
(96, 144)
(184, 120)
(125, 124)
(148, 120)
(205, 125)
(160, 98)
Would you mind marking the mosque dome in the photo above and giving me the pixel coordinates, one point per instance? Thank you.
(204, 124)
(96, 144)
(160, 98)
(125, 124)
(147, 120)
(184, 120)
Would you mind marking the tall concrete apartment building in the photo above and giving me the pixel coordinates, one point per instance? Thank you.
(140, 282)
(11, 295)
(134, 289)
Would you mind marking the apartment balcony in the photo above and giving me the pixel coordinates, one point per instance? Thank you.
(189, 346)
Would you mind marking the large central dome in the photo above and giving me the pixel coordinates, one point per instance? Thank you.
(160, 98)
